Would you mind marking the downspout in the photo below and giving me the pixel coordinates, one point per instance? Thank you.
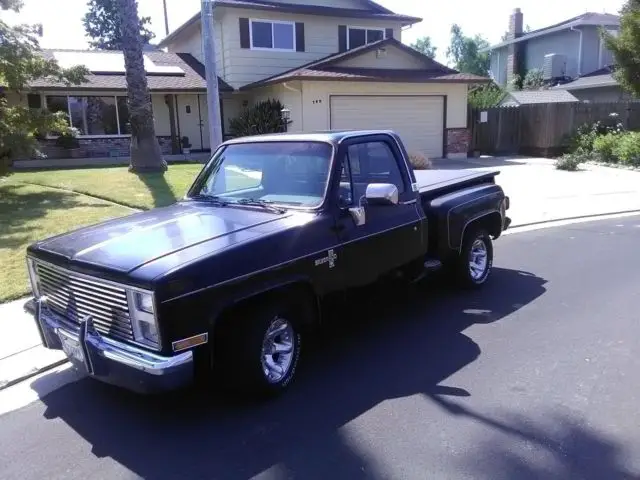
(574, 29)
(289, 87)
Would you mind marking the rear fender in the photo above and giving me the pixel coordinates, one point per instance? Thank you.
(455, 212)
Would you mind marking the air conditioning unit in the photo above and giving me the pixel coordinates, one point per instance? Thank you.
(554, 66)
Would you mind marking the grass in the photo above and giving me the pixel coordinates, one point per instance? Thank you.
(39, 204)
(29, 213)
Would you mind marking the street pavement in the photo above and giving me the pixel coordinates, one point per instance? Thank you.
(534, 376)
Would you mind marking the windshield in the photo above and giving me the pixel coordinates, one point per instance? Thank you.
(284, 173)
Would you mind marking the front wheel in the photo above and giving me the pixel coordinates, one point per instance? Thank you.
(259, 350)
(472, 267)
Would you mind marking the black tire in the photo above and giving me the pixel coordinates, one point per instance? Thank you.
(239, 348)
(462, 272)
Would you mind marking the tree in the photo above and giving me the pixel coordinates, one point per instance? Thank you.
(485, 96)
(145, 150)
(626, 48)
(424, 46)
(21, 63)
(465, 53)
(102, 25)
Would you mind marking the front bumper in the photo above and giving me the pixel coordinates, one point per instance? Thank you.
(111, 361)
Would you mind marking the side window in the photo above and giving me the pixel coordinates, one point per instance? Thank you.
(365, 163)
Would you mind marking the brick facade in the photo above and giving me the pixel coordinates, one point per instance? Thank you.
(99, 148)
(458, 141)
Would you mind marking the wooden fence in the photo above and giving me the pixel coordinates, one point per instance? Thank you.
(542, 129)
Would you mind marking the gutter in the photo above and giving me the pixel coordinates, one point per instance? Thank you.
(581, 32)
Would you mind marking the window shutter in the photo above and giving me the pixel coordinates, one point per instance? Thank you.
(342, 38)
(244, 33)
(299, 37)
(388, 33)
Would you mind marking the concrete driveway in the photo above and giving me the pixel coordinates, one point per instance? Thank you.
(541, 193)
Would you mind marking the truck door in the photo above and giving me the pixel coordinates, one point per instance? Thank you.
(391, 235)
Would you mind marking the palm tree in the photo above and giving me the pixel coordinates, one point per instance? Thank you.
(145, 150)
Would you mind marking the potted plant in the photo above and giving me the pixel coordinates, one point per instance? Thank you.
(69, 141)
(186, 146)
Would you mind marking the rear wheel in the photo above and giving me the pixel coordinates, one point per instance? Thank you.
(257, 350)
(472, 267)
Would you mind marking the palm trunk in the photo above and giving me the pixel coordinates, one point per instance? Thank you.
(145, 150)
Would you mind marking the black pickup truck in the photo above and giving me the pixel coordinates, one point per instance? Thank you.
(223, 284)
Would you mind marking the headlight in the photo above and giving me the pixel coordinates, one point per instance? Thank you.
(33, 277)
(143, 319)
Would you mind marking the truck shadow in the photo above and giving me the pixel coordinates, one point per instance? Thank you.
(372, 352)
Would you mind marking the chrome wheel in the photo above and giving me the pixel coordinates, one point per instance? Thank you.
(278, 350)
(478, 259)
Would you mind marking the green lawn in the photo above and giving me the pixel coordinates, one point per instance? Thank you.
(29, 213)
(31, 210)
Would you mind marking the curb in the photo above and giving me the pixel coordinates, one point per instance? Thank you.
(36, 372)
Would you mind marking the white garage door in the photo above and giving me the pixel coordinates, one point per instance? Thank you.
(417, 119)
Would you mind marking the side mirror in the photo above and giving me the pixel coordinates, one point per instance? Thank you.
(381, 194)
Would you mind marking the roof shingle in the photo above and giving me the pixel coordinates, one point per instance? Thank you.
(194, 78)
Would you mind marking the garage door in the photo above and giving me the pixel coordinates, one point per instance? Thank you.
(417, 119)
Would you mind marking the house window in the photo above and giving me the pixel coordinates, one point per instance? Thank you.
(270, 35)
(358, 36)
(93, 115)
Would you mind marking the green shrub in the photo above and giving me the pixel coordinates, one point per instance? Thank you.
(627, 149)
(263, 117)
(569, 162)
(604, 145)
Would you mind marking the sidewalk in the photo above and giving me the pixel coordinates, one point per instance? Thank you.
(537, 190)
(21, 352)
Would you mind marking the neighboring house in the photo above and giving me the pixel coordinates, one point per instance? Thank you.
(564, 51)
(531, 97)
(334, 64)
(597, 86)
(98, 107)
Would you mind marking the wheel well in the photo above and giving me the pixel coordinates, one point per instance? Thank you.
(301, 291)
(492, 222)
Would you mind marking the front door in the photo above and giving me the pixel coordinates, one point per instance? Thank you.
(189, 118)
(392, 234)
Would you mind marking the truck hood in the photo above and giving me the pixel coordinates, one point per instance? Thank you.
(127, 243)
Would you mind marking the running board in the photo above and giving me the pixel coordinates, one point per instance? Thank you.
(430, 266)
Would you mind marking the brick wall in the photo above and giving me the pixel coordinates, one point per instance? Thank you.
(458, 140)
(99, 147)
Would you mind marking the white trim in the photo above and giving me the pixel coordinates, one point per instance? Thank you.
(357, 27)
(272, 22)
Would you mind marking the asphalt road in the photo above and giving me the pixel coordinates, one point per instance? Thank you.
(536, 376)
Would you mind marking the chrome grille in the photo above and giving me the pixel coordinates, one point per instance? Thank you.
(75, 296)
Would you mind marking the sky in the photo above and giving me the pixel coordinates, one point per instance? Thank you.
(62, 19)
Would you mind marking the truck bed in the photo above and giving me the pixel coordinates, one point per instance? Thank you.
(432, 182)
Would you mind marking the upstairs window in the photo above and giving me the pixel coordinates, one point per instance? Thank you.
(271, 35)
(358, 36)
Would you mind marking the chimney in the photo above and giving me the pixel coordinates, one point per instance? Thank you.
(514, 50)
(516, 24)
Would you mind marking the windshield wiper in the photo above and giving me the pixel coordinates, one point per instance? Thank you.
(211, 198)
(260, 203)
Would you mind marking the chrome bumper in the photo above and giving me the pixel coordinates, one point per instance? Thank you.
(111, 361)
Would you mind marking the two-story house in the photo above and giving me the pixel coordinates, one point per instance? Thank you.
(565, 52)
(336, 64)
